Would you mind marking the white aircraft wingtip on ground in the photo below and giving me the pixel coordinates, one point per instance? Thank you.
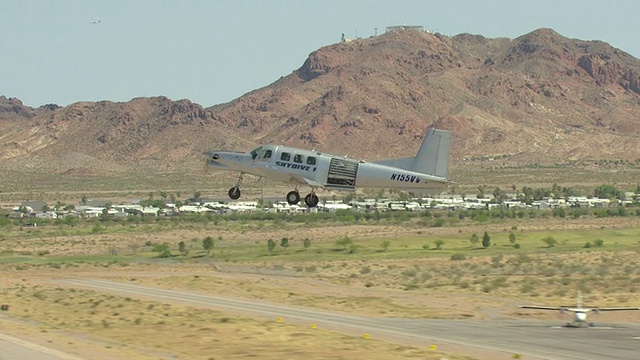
(580, 312)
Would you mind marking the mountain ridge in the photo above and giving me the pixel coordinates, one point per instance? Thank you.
(538, 98)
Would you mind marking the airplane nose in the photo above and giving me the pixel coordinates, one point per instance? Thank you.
(209, 155)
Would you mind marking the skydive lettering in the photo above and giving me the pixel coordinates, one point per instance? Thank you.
(405, 178)
(293, 166)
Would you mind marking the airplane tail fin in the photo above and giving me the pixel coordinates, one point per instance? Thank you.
(433, 156)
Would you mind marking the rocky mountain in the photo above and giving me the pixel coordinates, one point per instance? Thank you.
(539, 98)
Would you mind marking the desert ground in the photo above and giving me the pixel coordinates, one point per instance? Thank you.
(386, 268)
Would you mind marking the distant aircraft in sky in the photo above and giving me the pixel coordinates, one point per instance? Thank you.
(580, 313)
(425, 173)
(94, 21)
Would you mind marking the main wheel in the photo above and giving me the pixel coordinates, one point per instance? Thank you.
(293, 197)
(234, 193)
(311, 200)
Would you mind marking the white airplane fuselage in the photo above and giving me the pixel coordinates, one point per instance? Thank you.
(425, 173)
(324, 170)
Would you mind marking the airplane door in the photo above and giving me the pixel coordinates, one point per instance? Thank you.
(342, 173)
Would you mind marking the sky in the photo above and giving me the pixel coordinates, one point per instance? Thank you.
(214, 51)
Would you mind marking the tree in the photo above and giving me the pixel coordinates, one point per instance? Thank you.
(550, 241)
(474, 239)
(207, 244)
(197, 196)
(83, 199)
(162, 250)
(481, 192)
(608, 192)
(344, 242)
(271, 245)
(182, 247)
(284, 242)
(349, 198)
(512, 238)
(306, 243)
(499, 195)
(486, 240)
(439, 244)
(385, 245)
(527, 195)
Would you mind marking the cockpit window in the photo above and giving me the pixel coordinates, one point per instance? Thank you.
(255, 152)
(266, 154)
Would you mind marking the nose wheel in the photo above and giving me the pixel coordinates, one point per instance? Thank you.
(234, 193)
(293, 197)
(311, 200)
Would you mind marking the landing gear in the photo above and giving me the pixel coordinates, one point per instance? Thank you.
(234, 192)
(293, 197)
(311, 200)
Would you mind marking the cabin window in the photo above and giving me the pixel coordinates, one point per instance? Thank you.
(297, 158)
(285, 156)
(311, 160)
(266, 154)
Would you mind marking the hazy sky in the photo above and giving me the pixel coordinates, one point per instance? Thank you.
(213, 51)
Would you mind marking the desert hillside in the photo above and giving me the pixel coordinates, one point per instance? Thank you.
(539, 98)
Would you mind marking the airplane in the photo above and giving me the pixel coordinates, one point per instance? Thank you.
(94, 21)
(425, 173)
(580, 312)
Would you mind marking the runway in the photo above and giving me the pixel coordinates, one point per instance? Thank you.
(12, 348)
(531, 339)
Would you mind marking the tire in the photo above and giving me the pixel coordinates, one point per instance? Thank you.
(293, 197)
(234, 193)
(311, 200)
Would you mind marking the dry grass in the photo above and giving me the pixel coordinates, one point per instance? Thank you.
(399, 280)
(140, 329)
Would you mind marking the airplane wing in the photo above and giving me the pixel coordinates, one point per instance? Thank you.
(542, 307)
(616, 308)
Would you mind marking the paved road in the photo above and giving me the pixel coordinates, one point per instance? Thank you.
(17, 349)
(532, 339)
